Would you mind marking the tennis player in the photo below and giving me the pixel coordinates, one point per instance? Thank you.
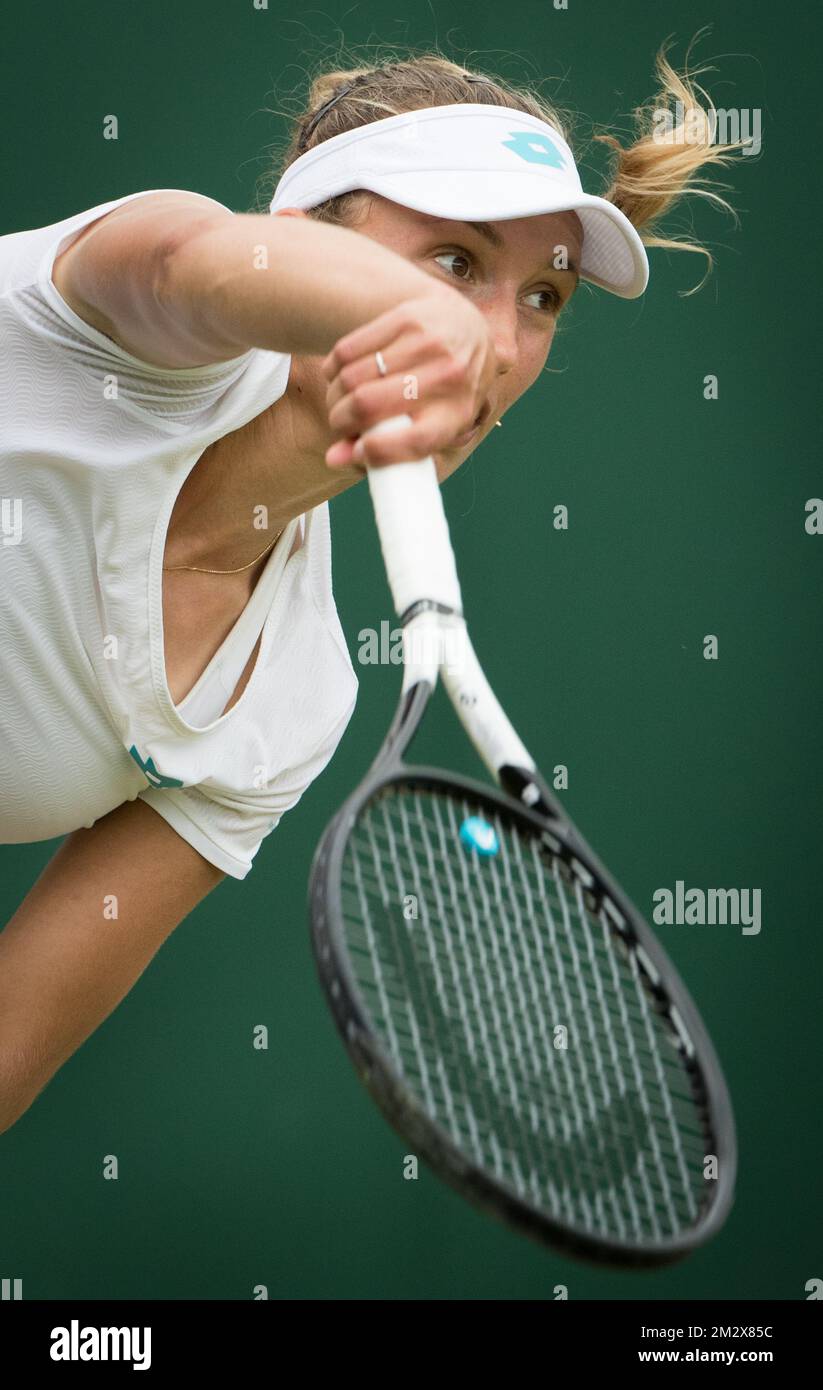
(183, 389)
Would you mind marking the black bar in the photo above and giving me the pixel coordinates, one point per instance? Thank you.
(222, 1336)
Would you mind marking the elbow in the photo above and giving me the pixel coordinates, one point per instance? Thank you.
(11, 1110)
(10, 1118)
(19, 1087)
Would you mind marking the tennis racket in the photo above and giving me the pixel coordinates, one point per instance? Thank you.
(503, 1001)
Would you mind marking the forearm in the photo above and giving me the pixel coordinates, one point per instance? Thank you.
(286, 284)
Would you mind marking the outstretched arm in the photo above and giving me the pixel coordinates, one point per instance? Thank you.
(180, 282)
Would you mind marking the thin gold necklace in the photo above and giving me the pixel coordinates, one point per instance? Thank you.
(201, 570)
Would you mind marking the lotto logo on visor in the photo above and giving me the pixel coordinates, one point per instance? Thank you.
(535, 149)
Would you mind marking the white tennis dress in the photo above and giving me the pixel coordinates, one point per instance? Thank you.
(95, 446)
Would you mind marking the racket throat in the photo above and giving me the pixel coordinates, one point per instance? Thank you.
(410, 708)
(529, 787)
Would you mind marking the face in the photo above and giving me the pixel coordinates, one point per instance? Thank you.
(507, 270)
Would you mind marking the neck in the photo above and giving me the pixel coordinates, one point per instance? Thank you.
(275, 462)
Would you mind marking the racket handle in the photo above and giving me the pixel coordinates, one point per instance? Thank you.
(414, 533)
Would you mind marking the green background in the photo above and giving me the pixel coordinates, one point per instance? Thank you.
(240, 1168)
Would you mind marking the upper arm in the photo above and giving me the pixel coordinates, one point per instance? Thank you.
(83, 935)
(111, 273)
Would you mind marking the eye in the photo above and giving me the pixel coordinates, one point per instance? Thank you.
(555, 299)
(454, 256)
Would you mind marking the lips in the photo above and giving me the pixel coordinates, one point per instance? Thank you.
(482, 416)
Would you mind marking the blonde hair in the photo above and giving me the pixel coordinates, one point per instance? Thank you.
(648, 176)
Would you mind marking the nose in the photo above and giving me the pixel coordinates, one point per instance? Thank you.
(501, 316)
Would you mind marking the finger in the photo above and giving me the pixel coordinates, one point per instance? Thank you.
(340, 454)
(408, 445)
(383, 396)
(404, 355)
(366, 339)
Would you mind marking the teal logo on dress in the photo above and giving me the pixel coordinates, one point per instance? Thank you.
(149, 770)
(535, 148)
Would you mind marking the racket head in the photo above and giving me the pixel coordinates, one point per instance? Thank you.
(616, 1183)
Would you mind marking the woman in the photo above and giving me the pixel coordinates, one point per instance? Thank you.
(184, 388)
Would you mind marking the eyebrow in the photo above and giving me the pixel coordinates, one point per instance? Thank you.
(490, 234)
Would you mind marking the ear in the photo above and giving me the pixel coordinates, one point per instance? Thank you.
(290, 212)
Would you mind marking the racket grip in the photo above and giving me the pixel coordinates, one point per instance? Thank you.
(414, 533)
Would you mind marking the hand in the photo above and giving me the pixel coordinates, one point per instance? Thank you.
(441, 363)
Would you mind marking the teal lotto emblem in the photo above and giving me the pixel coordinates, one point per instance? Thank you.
(535, 148)
(150, 771)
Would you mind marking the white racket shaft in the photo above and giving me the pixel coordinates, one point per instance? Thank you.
(414, 533)
(420, 564)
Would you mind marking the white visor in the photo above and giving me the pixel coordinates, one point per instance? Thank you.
(472, 163)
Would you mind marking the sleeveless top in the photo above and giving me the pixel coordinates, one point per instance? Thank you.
(94, 449)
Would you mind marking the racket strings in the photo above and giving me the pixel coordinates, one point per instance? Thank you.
(505, 1001)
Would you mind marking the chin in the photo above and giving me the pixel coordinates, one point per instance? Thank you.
(450, 461)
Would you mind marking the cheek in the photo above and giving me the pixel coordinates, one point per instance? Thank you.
(532, 363)
(547, 340)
